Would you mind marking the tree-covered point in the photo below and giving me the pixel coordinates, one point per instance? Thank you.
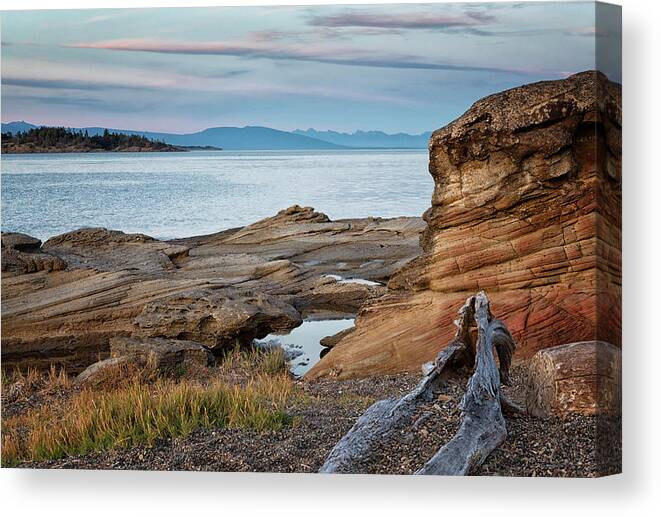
(61, 138)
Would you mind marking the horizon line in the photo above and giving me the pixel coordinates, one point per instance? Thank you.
(175, 132)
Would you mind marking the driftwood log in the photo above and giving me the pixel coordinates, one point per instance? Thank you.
(577, 378)
(483, 425)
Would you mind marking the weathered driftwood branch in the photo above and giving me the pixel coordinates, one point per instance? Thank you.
(483, 425)
(387, 416)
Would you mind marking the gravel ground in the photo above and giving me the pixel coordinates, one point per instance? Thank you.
(20, 397)
(580, 446)
(327, 409)
(325, 412)
(407, 449)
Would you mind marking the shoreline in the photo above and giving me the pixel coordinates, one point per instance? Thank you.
(195, 240)
(201, 149)
(181, 316)
(297, 260)
(175, 149)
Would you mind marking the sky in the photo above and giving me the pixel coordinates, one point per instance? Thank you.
(396, 68)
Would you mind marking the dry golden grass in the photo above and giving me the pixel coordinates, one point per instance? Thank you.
(134, 407)
(273, 361)
(30, 378)
(270, 361)
(16, 384)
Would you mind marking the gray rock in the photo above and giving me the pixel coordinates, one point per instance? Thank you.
(217, 318)
(20, 241)
(163, 354)
(97, 371)
(331, 341)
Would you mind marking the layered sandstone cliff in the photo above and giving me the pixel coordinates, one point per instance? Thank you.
(527, 207)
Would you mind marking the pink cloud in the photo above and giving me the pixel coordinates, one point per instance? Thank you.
(402, 21)
(269, 49)
(588, 31)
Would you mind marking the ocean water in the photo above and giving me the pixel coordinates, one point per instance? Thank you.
(170, 195)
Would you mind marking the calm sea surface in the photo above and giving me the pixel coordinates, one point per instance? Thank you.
(168, 195)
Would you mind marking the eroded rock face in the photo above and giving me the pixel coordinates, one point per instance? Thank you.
(23, 254)
(215, 289)
(526, 206)
(111, 250)
(219, 319)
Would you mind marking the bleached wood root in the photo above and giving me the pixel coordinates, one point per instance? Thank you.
(483, 426)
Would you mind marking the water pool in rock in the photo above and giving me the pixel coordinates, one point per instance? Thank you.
(305, 339)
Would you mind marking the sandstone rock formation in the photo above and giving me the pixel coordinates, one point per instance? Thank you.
(23, 254)
(578, 378)
(526, 206)
(111, 250)
(331, 341)
(218, 289)
(217, 318)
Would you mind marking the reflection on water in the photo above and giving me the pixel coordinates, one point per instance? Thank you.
(171, 195)
(302, 343)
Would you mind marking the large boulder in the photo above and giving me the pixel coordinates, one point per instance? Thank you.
(217, 318)
(22, 254)
(112, 250)
(162, 354)
(527, 206)
(577, 378)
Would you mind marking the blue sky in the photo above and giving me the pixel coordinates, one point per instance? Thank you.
(394, 68)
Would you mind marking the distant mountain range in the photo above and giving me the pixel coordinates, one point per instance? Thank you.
(369, 139)
(263, 138)
(15, 127)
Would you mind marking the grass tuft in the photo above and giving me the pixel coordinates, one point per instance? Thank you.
(141, 413)
(273, 361)
(16, 384)
(270, 361)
